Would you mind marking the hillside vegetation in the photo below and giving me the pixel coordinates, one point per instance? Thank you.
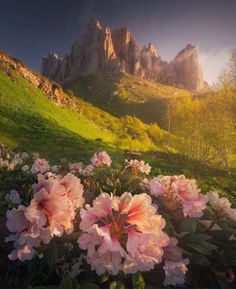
(30, 120)
(124, 94)
(203, 127)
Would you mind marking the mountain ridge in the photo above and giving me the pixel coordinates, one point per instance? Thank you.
(101, 50)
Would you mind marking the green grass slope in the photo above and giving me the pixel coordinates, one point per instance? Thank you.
(30, 121)
(124, 94)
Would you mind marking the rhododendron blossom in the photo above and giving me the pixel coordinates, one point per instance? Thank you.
(138, 166)
(175, 266)
(175, 272)
(26, 235)
(100, 159)
(50, 213)
(13, 197)
(181, 190)
(76, 167)
(122, 234)
(87, 171)
(221, 205)
(40, 166)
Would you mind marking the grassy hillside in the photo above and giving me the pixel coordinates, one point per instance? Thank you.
(30, 121)
(124, 94)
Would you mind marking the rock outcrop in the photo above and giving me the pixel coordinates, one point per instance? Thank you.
(101, 50)
(51, 89)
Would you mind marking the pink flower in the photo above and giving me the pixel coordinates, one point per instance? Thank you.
(182, 190)
(76, 167)
(100, 159)
(156, 187)
(88, 170)
(24, 252)
(16, 221)
(74, 189)
(122, 234)
(55, 201)
(51, 213)
(175, 272)
(26, 237)
(13, 197)
(175, 266)
(172, 251)
(138, 166)
(221, 206)
(40, 166)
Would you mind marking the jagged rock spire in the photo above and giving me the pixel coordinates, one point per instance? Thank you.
(101, 50)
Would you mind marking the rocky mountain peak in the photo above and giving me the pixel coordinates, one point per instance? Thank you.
(94, 25)
(102, 50)
(150, 48)
(188, 69)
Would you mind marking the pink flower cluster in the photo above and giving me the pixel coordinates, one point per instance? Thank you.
(101, 159)
(175, 266)
(50, 213)
(122, 234)
(81, 169)
(222, 206)
(40, 166)
(184, 191)
(138, 166)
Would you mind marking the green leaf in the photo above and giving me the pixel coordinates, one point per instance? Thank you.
(187, 225)
(204, 248)
(138, 281)
(75, 284)
(89, 285)
(104, 277)
(51, 254)
(196, 237)
(40, 287)
(116, 285)
(66, 283)
(199, 260)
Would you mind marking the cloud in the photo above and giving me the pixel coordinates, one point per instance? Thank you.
(213, 61)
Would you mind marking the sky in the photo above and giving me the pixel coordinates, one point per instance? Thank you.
(30, 29)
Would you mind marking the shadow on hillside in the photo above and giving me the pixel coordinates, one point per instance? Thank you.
(34, 133)
(98, 91)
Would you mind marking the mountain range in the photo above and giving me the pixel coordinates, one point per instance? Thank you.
(101, 50)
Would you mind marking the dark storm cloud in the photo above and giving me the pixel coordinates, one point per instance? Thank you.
(31, 28)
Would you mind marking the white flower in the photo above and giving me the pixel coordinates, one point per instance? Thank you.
(221, 205)
(17, 159)
(3, 163)
(55, 168)
(138, 166)
(100, 159)
(24, 156)
(13, 197)
(35, 156)
(25, 168)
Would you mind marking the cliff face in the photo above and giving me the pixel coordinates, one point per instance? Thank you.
(52, 90)
(101, 50)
